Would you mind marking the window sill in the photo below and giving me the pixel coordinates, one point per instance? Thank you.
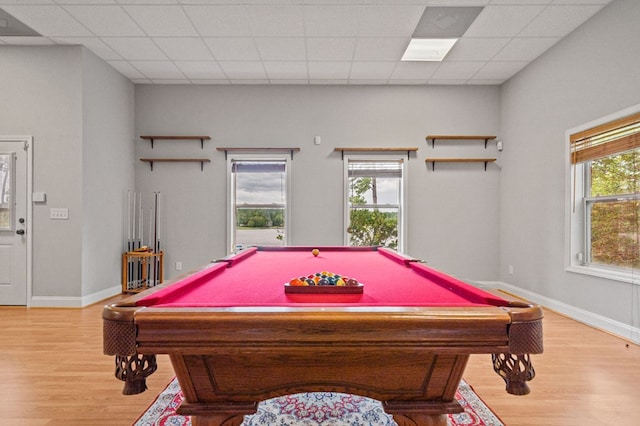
(632, 277)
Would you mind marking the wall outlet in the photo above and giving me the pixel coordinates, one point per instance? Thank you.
(178, 266)
(59, 214)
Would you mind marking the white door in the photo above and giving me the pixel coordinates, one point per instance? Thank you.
(13, 220)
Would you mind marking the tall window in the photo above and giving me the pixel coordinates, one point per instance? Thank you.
(374, 202)
(608, 159)
(258, 202)
(6, 192)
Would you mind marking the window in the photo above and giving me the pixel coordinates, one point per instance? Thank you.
(374, 192)
(6, 192)
(259, 191)
(606, 159)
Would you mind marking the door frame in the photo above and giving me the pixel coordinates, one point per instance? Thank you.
(28, 146)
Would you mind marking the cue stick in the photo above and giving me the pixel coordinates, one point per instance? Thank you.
(128, 242)
(156, 233)
(140, 231)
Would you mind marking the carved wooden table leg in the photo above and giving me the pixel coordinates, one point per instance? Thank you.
(515, 370)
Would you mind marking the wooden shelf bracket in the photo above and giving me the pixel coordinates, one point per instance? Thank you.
(459, 137)
(176, 160)
(154, 138)
(433, 161)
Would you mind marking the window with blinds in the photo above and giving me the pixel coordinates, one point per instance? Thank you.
(608, 159)
(374, 189)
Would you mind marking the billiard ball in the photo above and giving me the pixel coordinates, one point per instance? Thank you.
(315, 252)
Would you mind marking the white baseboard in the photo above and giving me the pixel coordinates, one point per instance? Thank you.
(73, 302)
(624, 331)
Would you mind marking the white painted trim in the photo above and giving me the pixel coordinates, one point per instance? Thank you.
(29, 228)
(624, 331)
(74, 302)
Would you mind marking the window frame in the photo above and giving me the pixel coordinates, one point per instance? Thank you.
(231, 215)
(578, 203)
(402, 207)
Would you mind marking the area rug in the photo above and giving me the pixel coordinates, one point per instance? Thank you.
(317, 409)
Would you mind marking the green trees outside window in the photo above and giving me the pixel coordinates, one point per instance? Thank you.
(613, 207)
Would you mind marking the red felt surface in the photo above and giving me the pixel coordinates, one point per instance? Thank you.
(256, 278)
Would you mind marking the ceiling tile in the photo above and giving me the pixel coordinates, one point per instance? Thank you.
(380, 49)
(558, 21)
(94, 44)
(26, 41)
(233, 48)
(50, 21)
(502, 21)
(414, 70)
(243, 70)
(170, 81)
(525, 49)
(457, 70)
(329, 70)
(407, 82)
(321, 81)
(219, 21)
(332, 20)
(281, 48)
(389, 21)
(126, 69)
(184, 49)
(330, 49)
(106, 21)
(496, 70)
(476, 49)
(369, 82)
(460, 2)
(519, 2)
(276, 20)
(371, 70)
(133, 48)
(158, 69)
(206, 81)
(253, 81)
(161, 21)
(201, 69)
(286, 70)
(602, 2)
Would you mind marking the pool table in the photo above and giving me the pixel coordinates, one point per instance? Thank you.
(235, 336)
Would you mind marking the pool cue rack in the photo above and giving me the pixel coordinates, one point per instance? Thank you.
(141, 269)
(142, 256)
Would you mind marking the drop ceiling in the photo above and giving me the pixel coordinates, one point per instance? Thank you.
(296, 41)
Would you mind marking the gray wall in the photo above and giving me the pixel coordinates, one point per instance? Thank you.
(79, 111)
(593, 73)
(107, 171)
(452, 211)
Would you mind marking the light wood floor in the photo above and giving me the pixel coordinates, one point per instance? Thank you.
(52, 372)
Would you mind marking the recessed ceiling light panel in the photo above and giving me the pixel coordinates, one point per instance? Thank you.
(428, 49)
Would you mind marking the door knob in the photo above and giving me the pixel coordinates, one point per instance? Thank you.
(20, 232)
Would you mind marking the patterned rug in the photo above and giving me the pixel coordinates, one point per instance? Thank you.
(317, 409)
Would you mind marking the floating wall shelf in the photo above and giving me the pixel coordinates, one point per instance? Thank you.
(228, 150)
(458, 137)
(390, 149)
(433, 161)
(177, 138)
(176, 160)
